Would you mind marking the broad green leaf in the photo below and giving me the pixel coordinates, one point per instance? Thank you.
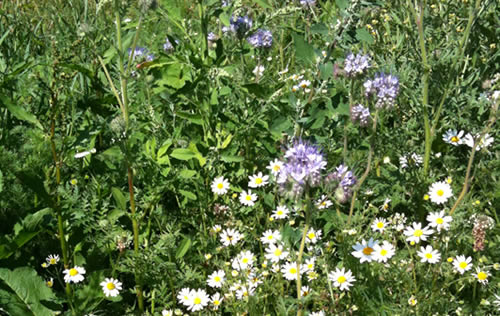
(303, 51)
(202, 160)
(164, 147)
(24, 290)
(187, 174)
(319, 28)
(19, 112)
(228, 158)
(193, 118)
(182, 154)
(189, 195)
(183, 248)
(119, 197)
(364, 36)
(341, 4)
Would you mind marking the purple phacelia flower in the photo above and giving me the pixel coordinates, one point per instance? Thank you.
(302, 168)
(356, 64)
(167, 46)
(345, 177)
(240, 25)
(211, 37)
(262, 38)
(362, 114)
(385, 87)
(140, 53)
(307, 2)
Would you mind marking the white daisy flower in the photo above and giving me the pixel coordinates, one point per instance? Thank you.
(440, 192)
(429, 255)
(481, 275)
(312, 275)
(198, 300)
(258, 180)
(412, 301)
(310, 264)
(385, 206)
(281, 212)
(296, 77)
(248, 198)
(313, 236)
(230, 237)
(52, 259)
(341, 279)
(295, 88)
(304, 84)
(411, 160)
(111, 287)
(364, 250)
(323, 202)
(275, 167)
(243, 261)
(50, 282)
(320, 313)
(484, 142)
(270, 237)
(497, 301)
(244, 292)
(217, 229)
(381, 253)
(379, 224)
(462, 264)
(216, 279)
(259, 71)
(289, 271)
(216, 300)
(74, 275)
(453, 137)
(416, 233)
(220, 186)
(305, 290)
(166, 312)
(439, 221)
(184, 296)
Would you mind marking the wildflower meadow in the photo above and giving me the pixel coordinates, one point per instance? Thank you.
(249, 157)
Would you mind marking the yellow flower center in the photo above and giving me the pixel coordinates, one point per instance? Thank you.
(463, 265)
(383, 252)
(216, 302)
(454, 139)
(270, 237)
(482, 276)
(279, 212)
(110, 286)
(197, 300)
(380, 225)
(418, 233)
(50, 283)
(217, 279)
(245, 260)
(341, 279)
(220, 186)
(258, 180)
(277, 252)
(248, 198)
(439, 221)
(368, 250)
(440, 192)
(311, 235)
(276, 168)
(73, 272)
(428, 255)
(293, 271)
(53, 261)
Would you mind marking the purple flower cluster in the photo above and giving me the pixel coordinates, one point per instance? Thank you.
(307, 2)
(262, 38)
(346, 180)
(302, 168)
(356, 64)
(211, 37)
(240, 25)
(167, 46)
(362, 114)
(386, 87)
(141, 54)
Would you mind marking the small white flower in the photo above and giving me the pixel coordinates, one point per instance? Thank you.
(462, 264)
(381, 253)
(305, 290)
(198, 300)
(439, 221)
(364, 250)
(216, 279)
(230, 237)
(289, 271)
(323, 202)
(412, 301)
(220, 186)
(481, 275)
(166, 312)
(270, 237)
(304, 84)
(275, 167)
(258, 180)
(484, 142)
(281, 212)
(416, 233)
(52, 259)
(320, 313)
(429, 255)
(248, 198)
(440, 192)
(379, 224)
(313, 236)
(74, 275)
(216, 300)
(243, 261)
(184, 296)
(453, 137)
(111, 287)
(385, 206)
(342, 279)
(258, 71)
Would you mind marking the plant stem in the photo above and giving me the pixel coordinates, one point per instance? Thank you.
(301, 252)
(368, 167)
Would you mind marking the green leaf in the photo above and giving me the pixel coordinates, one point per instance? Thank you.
(189, 195)
(1, 181)
(303, 51)
(364, 36)
(182, 154)
(23, 292)
(183, 248)
(202, 160)
(19, 112)
(186, 173)
(228, 158)
(341, 4)
(319, 28)
(263, 4)
(193, 118)
(120, 199)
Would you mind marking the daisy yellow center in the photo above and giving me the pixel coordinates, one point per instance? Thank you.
(73, 272)
(258, 180)
(279, 212)
(197, 300)
(276, 168)
(311, 235)
(110, 286)
(383, 252)
(368, 250)
(217, 279)
(380, 225)
(439, 221)
(50, 283)
(386, 206)
(323, 203)
(418, 233)
(277, 252)
(220, 186)
(482, 276)
(270, 237)
(462, 265)
(293, 271)
(53, 261)
(245, 293)
(428, 255)
(248, 198)
(216, 302)
(341, 279)
(245, 260)
(440, 192)
(454, 139)
(303, 85)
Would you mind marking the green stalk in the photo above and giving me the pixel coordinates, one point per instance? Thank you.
(301, 252)
(368, 167)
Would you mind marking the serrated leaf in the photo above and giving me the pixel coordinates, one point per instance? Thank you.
(189, 195)
(183, 248)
